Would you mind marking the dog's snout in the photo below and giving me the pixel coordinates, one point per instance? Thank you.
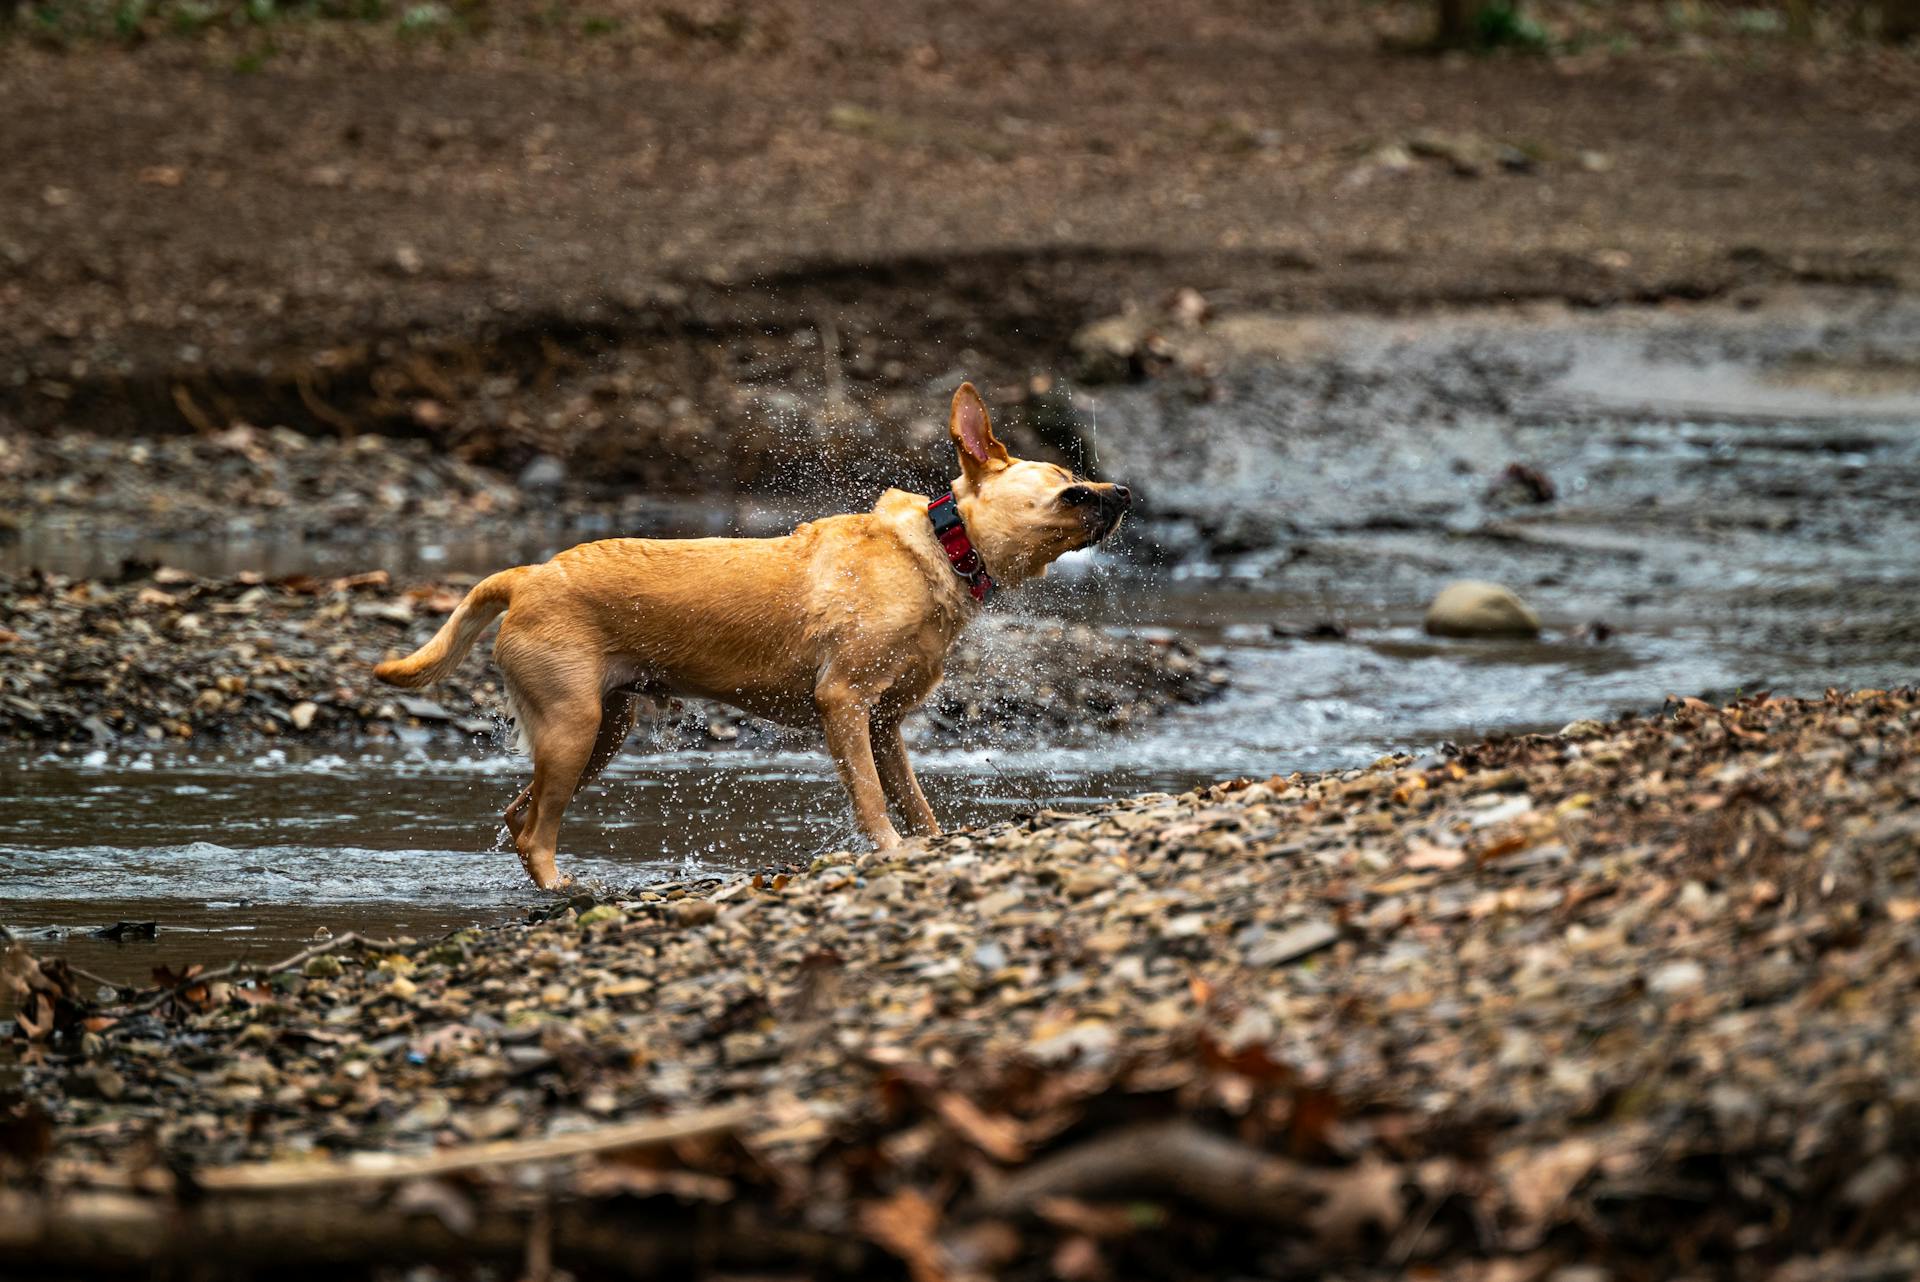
(1124, 494)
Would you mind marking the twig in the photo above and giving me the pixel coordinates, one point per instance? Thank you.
(101, 980)
(196, 418)
(238, 970)
(1401, 1249)
(539, 1262)
(1033, 802)
(308, 1176)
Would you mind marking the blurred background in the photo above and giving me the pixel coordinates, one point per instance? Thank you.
(1602, 307)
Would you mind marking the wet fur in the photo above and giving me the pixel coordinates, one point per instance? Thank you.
(843, 624)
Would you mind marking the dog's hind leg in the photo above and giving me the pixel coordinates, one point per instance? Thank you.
(559, 704)
(618, 711)
(560, 757)
(515, 815)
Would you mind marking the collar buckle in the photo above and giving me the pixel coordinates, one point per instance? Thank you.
(951, 531)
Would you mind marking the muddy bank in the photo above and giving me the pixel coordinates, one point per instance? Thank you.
(163, 656)
(1510, 1008)
(1253, 429)
(1254, 438)
(545, 243)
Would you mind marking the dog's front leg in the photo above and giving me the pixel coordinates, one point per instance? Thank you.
(843, 714)
(896, 777)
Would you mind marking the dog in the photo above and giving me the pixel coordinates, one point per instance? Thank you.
(843, 624)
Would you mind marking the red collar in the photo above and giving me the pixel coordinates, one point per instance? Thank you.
(961, 554)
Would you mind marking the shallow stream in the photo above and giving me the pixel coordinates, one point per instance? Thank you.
(1732, 532)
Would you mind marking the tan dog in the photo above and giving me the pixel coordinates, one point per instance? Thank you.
(844, 624)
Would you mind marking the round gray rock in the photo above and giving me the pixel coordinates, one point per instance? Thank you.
(1471, 608)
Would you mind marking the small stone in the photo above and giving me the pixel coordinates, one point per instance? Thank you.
(694, 912)
(1185, 926)
(1000, 902)
(545, 472)
(601, 913)
(1292, 943)
(1586, 728)
(1677, 978)
(303, 713)
(990, 957)
(1088, 1043)
(1083, 884)
(99, 1081)
(1472, 608)
(322, 967)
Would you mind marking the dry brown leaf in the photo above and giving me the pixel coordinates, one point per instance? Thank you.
(606, 1178)
(1078, 1259)
(994, 1134)
(1096, 1219)
(1538, 1181)
(1512, 843)
(906, 1224)
(1359, 1199)
(1424, 855)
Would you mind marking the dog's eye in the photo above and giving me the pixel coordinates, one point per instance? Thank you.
(1075, 495)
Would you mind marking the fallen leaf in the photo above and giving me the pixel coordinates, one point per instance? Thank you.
(907, 1225)
(995, 1135)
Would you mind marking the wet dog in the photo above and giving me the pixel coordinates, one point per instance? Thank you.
(844, 624)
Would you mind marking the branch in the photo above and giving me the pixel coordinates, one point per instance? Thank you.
(80, 1233)
(1172, 1159)
(374, 1169)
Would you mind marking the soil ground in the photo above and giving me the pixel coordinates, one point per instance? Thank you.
(654, 249)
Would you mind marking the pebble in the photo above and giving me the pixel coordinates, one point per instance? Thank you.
(165, 655)
(1260, 960)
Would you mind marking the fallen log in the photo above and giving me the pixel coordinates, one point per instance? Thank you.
(381, 1211)
(82, 1233)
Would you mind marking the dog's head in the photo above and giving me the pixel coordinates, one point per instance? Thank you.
(1020, 514)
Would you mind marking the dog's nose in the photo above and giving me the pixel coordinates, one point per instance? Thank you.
(1124, 494)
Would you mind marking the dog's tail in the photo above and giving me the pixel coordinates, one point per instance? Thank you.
(456, 636)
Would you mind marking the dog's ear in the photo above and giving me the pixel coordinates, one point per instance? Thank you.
(973, 438)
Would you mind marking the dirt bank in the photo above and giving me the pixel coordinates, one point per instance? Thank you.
(1622, 997)
(664, 249)
(162, 656)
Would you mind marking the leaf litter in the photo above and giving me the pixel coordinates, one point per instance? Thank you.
(1657, 1017)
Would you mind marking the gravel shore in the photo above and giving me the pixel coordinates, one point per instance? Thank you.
(1635, 997)
(163, 656)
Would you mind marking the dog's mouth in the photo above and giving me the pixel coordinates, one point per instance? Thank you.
(1103, 521)
(1101, 509)
(1107, 514)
